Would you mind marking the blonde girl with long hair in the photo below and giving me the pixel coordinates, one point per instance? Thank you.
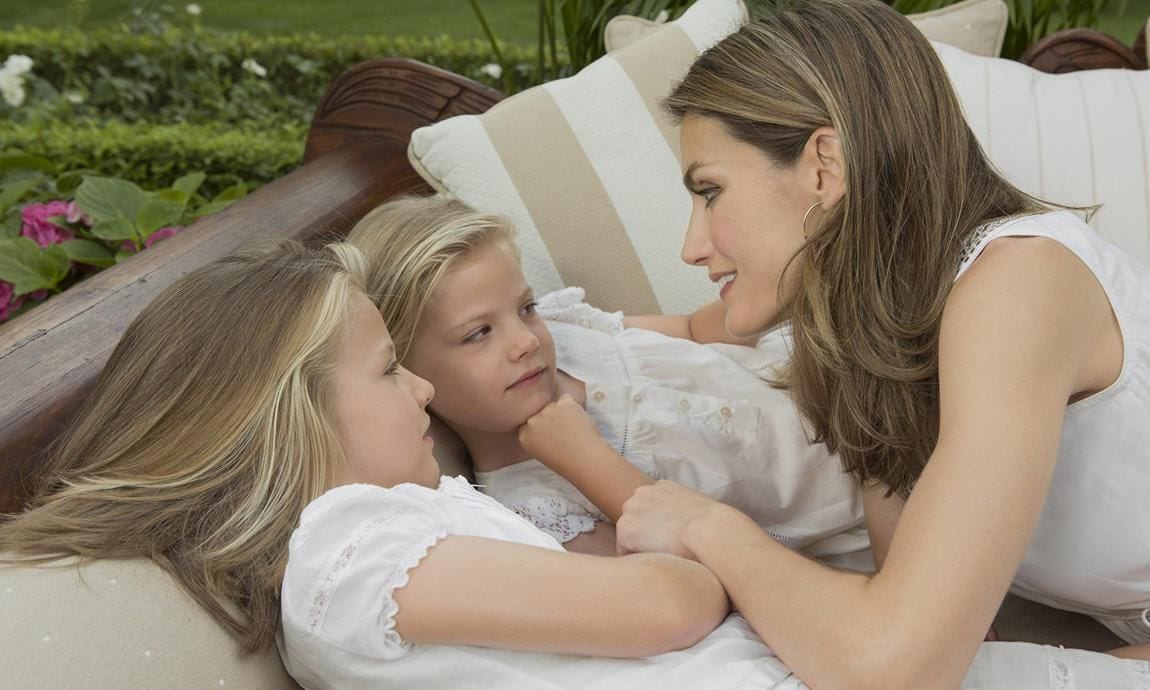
(980, 364)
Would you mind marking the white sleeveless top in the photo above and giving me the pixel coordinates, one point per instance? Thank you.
(1091, 549)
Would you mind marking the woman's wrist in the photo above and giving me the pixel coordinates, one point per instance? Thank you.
(711, 528)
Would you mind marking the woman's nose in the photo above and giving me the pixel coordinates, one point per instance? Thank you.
(696, 242)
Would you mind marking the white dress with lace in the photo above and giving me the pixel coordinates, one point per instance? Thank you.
(357, 544)
(700, 415)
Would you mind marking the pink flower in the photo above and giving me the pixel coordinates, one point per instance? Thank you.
(75, 215)
(37, 226)
(9, 302)
(162, 234)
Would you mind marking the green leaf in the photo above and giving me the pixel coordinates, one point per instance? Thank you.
(89, 252)
(30, 267)
(173, 195)
(69, 182)
(21, 161)
(190, 184)
(115, 230)
(108, 198)
(157, 213)
(233, 193)
(12, 192)
(11, 225)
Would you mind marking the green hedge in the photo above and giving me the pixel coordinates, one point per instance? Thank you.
(197, 76)
(154, 155)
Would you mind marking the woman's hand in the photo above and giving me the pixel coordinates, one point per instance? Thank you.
(657, 518)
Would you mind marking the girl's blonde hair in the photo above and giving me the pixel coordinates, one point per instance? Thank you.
(877, 272)
(410, 244)
(207, 433)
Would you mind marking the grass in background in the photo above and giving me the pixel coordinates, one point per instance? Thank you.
(514, 21)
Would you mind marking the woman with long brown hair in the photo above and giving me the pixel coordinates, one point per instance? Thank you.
(980, 363)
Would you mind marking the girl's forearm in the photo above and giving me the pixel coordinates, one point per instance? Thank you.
(606, 478)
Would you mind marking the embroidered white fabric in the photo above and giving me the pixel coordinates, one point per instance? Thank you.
(557, 516)
(567, 306)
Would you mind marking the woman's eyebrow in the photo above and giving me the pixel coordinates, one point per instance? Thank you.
(687, 181)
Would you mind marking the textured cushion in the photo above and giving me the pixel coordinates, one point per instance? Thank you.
(1078, 138)
(118, 624)
(976, 26)
(587, 166)
(587, 169)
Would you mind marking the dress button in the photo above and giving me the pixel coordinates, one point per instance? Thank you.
(725, 411)
(684, 404)
(638, 398)
(599, 396)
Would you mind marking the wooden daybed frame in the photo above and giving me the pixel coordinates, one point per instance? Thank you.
(355, 159)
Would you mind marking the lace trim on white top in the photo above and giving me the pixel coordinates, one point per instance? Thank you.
(1144, 674)
(401, 576)
(556, 516)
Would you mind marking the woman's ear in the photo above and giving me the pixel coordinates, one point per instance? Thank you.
(826, 154)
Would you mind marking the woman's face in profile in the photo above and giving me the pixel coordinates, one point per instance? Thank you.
(746, 221)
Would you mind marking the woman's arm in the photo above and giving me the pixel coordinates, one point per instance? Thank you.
(705, 325)
(882, 513)
(490, 593)
(1014, 343)
(563, 437)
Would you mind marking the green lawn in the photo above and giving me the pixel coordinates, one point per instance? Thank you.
(511, 20)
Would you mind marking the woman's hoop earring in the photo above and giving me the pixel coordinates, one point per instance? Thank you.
(808, 215)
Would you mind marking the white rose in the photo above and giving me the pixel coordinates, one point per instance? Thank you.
(193, 9)
(18, 64)
(12, 88)
(254, 67)
(492, 70)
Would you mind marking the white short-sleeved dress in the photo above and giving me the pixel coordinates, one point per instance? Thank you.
(700, 415)
(1090, 552)
(357, 544)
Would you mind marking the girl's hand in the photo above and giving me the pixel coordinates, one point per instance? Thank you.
(560, 434)
(657, 518)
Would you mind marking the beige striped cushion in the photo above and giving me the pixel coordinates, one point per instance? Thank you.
(587, 167)
(976, 26)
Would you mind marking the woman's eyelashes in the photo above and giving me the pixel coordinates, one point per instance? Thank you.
(529, 308)
(392, 368)
(708, 194)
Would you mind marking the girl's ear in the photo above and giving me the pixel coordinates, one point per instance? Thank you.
(825, 153)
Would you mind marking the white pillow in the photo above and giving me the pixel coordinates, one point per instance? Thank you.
(976, 26)
(587, 167)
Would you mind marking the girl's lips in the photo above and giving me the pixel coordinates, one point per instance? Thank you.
(528, 379)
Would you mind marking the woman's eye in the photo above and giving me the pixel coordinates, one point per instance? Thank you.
(477, 335)
(708, 195)
(392, 368)
(529, 308)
